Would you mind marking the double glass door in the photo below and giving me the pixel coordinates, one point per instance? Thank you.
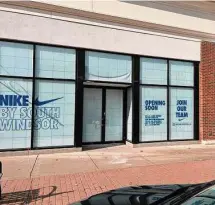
(103, 115)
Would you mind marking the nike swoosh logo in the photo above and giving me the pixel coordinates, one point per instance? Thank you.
(181, 119)
(40, 103)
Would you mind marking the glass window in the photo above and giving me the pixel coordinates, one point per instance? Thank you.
(204, 197)
(54, 113)
(182, 114)
(15, 113)
(129, 114)
(181, 73)
(153, 71)
(153, 114)
(108, 67)
(16, 59)
(54, 62)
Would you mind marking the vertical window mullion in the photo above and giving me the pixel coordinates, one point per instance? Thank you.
(135, 99)
(79, 97)
(168, 101)
(196, 100)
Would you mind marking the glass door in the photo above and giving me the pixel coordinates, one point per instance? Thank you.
(103, 115)
(92, 117)
(114, 115)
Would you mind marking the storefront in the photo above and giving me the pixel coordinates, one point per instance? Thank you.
(57, 96)
(93, 72)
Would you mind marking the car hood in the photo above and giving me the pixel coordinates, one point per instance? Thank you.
(133, 195)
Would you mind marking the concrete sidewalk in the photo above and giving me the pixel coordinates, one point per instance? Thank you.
(60, 179)
(65, 189)
(102, 159)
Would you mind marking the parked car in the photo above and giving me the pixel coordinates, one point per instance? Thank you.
(188, 194)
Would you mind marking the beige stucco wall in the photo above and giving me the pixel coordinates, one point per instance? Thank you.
(136, 12)
(54, 31)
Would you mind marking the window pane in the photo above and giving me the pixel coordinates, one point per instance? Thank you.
(108, 67)
(92, 118)
(114, 115)
(55, 108)
(153, 114)
(129, 114)
(182, 114)
(15, 113)
(53, 62)
(16, 59)
(181, 73)
(153, 71)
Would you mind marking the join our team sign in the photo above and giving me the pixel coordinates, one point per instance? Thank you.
(16, 113)
(182, 113)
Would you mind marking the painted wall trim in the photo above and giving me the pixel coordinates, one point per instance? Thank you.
(86, 17)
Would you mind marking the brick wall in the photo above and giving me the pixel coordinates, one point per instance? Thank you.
(207, 92)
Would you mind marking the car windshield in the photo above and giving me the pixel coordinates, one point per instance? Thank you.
(206, 197)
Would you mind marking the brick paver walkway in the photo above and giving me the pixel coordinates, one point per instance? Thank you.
(65, 189)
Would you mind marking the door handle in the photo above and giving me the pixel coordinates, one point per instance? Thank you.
(96, 123)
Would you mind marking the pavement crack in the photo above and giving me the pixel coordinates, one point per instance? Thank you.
(34, 165)
(93, 161)
(30, 195)
(148, 160)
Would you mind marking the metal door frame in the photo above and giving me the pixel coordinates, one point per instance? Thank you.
(103, 120)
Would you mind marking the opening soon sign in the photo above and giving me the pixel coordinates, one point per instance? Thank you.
(154, 118)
